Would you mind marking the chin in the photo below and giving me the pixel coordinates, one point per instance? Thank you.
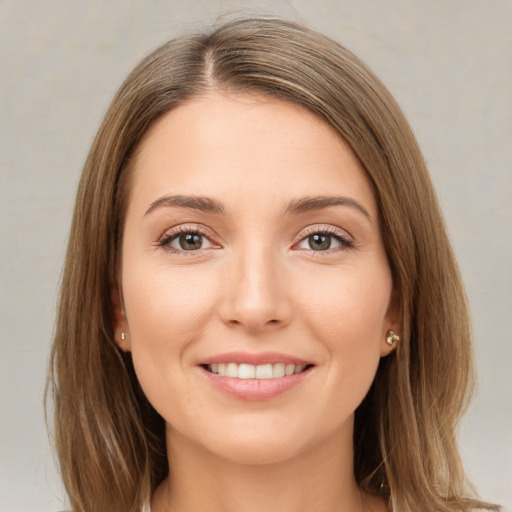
(255, 452)
(259, 439)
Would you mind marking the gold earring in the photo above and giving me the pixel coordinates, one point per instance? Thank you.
(123, 337)
(391, 338)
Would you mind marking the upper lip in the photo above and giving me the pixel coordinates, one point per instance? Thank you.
(254, 358)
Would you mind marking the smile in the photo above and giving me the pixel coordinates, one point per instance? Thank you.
(251, 371)
(259, 379)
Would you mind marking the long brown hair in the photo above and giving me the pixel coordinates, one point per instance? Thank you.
(110, 441)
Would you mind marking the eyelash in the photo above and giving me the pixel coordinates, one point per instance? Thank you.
(172, 235)
(344, 240)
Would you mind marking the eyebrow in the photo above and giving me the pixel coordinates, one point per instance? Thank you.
(308, 204)
(204, 204)
(295, 207)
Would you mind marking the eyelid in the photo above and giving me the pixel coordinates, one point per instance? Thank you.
(346, 239)
(172, 232)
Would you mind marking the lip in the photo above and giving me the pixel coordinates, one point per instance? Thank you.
(254, 358)
(254, 389)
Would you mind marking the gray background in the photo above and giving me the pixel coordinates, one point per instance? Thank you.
(449, 63)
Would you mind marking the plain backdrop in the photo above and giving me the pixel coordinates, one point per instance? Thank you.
(449, 64)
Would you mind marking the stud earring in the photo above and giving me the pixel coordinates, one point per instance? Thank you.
(391, 338)
(123, 337)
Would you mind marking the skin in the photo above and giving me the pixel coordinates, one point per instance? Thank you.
(255, 285)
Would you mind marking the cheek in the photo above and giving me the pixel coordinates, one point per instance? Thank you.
(350, 304)
(166, 312)
(347, 312)
(165, 304)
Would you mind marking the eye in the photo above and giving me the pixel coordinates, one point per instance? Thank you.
(185, 240)
(188, 241)
(325, 240)
(319, 242)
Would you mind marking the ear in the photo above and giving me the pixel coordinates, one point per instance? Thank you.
(392, 322)
(121, 331)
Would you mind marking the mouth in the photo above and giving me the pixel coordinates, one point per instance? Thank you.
(259, 372)
(255, 376)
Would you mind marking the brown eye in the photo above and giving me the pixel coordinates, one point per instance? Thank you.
(319, 242)
(325, 241)
(189, 241)
(185, 240)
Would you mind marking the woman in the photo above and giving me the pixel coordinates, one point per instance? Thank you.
(260, 308)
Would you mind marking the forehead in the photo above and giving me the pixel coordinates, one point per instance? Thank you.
(248, 147)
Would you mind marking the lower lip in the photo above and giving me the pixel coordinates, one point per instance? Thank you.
(255, 389)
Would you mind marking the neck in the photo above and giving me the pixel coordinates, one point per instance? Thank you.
(319, 478)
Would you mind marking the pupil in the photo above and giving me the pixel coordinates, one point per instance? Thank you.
(191, 241)
(320, 242)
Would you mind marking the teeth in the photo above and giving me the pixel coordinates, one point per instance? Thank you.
(246, 371)
(279, 370)
(231, 370)
(264, 371)
(250, 371)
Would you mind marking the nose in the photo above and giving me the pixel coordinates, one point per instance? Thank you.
(256, 293)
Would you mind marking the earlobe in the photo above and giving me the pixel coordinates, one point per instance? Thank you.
(392, 338)
(390, 343)
(122, 341)
(121, 331)
(394, 316)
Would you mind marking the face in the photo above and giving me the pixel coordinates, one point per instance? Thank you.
(255, 289)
